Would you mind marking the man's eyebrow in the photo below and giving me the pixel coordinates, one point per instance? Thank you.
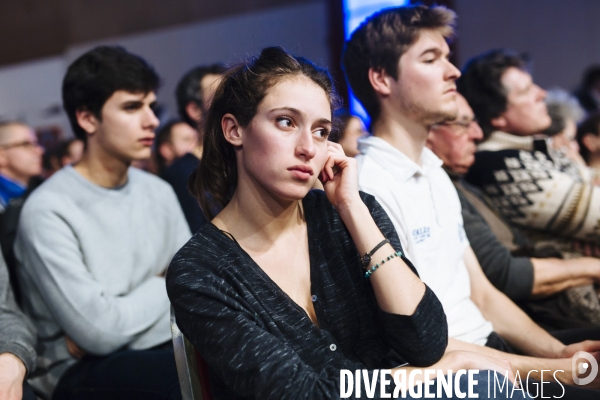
(435, 50)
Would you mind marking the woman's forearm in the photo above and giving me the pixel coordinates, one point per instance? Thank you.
(397, 289)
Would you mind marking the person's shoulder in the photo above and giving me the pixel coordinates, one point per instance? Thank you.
(54, 191)
(142, 178)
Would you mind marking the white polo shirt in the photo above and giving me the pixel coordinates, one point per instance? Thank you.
(424, 207)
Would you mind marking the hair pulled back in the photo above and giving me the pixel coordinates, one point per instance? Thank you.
(240, 92)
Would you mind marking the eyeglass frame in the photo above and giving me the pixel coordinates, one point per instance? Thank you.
(28, 144)
(464, 125)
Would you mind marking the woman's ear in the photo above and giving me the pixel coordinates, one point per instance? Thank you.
(231, 129)
(87, 121)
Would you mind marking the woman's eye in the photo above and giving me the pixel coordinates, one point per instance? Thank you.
(284, 122)
(322, 132)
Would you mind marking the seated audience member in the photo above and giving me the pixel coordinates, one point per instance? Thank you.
(272, 292)
(64, 153)
(17, 345)
(523, 278)
(194, 92)
(173, 140)
(565, 113)
(588, 139)
(397, 65)
(588, 92)
(546, 195)
(20, 160)
(95, 240)
(350, 128)
(20, 168)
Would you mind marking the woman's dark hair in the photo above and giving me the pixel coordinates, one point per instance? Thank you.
(96, 75)
(590, 126)
(240, 93)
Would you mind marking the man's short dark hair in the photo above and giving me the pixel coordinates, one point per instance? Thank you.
(189, 90)
(382, 39)
(95, 76)
(481, 85)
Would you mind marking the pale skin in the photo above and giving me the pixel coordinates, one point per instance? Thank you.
(421, 96)
(456, 145)
(265, 212)
(12, 374)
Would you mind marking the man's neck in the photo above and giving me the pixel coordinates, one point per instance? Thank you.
(404, 134)
(102, 170)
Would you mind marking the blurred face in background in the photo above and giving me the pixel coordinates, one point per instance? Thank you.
(20, 153)
(355, 129)
(454, 142)
(183, 140)
(526, 113)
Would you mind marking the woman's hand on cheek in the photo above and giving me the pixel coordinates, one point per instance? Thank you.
(340, 177)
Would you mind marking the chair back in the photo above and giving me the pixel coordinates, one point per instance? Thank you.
(191, 367)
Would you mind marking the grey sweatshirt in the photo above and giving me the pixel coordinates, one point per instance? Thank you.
(91, 264)
(17, 335)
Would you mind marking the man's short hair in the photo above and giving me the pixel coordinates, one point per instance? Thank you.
(382, 39)
(481, 84)
(95, 76)
(189, 90)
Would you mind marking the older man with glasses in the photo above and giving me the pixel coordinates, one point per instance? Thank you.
(20, 160)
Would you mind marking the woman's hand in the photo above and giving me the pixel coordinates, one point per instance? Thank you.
(340, 177)
(469, 360)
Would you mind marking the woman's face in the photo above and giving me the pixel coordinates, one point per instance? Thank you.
(284, 147)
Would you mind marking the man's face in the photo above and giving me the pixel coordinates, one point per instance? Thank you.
(126, 130)
(454, 141)
(526, 113)
(20, 154)
(183, 140)
(425, 90)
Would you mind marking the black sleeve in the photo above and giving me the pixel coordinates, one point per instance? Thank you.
(420, 338)
(511, 275)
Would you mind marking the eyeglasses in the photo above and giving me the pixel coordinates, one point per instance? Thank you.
(460, 127)
(26, 144)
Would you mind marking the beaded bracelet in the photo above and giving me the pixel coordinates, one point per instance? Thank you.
(388, 258)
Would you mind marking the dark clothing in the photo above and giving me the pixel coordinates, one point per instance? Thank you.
(258, 343)
(513, 276)
(178, 174)
(124, 375)
(587, 101)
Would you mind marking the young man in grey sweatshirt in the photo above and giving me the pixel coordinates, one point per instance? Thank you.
(94, 242)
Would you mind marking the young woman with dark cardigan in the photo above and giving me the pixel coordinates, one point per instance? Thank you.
(273, 293)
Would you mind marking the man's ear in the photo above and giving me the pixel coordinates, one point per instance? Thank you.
(194, 111)
(87, 121)
(380, 81)
(499, 122)
(231, 129)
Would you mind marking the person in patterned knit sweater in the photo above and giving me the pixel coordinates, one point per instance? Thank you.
(530, 185)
